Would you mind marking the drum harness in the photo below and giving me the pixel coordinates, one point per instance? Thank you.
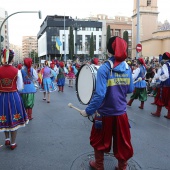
(96, 114)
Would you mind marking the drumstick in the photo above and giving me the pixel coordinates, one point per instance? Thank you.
(135, 81)
(71, 105)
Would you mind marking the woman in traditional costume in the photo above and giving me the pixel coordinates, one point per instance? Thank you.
(61, 77)
(71, 75)
(29, 75)
(47, 84)
(12, 111)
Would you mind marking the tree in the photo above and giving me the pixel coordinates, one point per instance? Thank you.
(34, 56)
(108, 35)
(126, 38)
(71, 43)
(91, 46)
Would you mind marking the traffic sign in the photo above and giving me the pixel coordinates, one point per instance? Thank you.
(2, 38)
(139, 48)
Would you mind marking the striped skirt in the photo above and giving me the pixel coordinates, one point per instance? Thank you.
(12, 112)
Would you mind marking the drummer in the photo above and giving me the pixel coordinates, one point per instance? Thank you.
(111, 118)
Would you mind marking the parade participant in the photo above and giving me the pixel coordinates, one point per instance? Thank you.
(12, 111)
(140, 86)
(71, 74)
(109, 105)
(61, 77)
(53, 73)
(29, 75)
(163, 93)
(47, 84)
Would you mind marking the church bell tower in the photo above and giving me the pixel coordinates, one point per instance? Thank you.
(148, 21)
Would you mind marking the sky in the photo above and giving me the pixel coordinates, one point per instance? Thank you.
(28, 24)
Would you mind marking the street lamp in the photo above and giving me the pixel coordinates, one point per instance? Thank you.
(138, 27)
(39, 14)
(76, 28)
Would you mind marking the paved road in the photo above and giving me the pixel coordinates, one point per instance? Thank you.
(58, 137)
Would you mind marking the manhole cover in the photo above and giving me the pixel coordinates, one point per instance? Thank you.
(82, 162)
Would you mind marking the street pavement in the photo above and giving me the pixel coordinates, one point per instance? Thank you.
(58, 137)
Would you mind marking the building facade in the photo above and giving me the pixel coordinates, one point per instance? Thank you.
(154, 36)
(18, 53)
(29, 44)
(4, 30)
(53, 27)
(148, 22)
(118, 25)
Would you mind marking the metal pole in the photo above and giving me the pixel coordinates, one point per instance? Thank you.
(64, 39)
(138, 27)
(39, 12)
(76, 27)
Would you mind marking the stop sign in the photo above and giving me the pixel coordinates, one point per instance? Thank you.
(139, 48)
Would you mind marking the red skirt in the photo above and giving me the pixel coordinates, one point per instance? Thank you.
(118, 128)
(163, 97)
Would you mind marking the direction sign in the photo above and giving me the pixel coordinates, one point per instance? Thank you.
(139, 48)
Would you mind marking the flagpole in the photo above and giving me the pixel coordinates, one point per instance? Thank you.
(64, 41)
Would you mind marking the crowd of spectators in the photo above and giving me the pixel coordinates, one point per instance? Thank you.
(152, 67)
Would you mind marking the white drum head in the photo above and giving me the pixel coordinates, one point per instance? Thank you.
(85, 84)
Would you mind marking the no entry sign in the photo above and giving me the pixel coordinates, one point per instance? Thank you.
(139, 48)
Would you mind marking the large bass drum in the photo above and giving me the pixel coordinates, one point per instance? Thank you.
(86, 83)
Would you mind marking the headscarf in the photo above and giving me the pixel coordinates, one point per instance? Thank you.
(117, 47)
(19, 66)
(28, 64)
(52, 65)
(95, 61)
(166, 56)
(142, 61)
(61, 64)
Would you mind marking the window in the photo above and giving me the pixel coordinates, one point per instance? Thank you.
(148, 2)
(116, 33)
(79, 42)
(87, 42)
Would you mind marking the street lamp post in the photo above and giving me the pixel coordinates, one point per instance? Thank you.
(39, 14)
(76, 27)
(138, 27)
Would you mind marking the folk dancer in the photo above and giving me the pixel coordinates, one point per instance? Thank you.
(71, 74)
(47, 84)
(29, 75)
(163, 94)
(140, 85)
(61, 77)
(114, 81)
(53, 74)
(12, 111)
